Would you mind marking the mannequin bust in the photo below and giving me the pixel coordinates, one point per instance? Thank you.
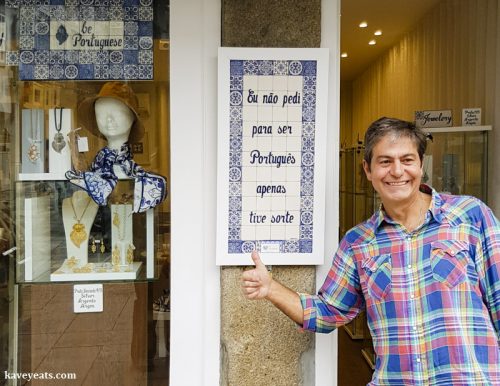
(78, 212)
(114, 120)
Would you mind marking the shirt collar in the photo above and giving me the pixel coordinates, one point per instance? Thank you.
(436, 209)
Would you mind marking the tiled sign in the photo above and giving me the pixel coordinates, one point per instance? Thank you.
(85, 39)
(271, 155)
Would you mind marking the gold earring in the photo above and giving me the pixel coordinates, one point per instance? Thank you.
(93, 247)
(102, 248)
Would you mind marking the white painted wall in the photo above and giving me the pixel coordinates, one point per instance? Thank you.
(195, 30)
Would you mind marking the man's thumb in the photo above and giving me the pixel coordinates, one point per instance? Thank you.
(256, 259)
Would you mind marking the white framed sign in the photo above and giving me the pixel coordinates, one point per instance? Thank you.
(272, 105)
(88, 298)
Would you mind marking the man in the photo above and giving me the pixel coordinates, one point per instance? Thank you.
(426, 266)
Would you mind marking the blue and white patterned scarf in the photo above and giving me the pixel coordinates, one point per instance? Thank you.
(150, 189)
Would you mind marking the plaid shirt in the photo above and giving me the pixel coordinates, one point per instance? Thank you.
(432, 296)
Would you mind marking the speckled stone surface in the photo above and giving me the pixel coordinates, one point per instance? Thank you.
(259, 345)
(271, 23)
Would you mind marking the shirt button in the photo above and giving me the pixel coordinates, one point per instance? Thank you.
(414, 328)
(412, 296)
(409, 266)
(418, 359)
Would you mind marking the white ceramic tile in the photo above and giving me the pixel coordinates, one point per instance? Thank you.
(278, 203)
(250, 82)
(293, 203)
(264, 174)
(250, 113)
(292, 231)
(293, 173)
(279, 175)
(248, 202)
(265, 145)
(248, 232)
(248, 188)
(294, 144)
(265, 113)
(249, 144)
(295, 129)
(280, 82)
(293, 190)
(295, 83)
(280, 113)
(249, 173)
(295, 114)
(245, 218)
(263, 232)
(265, 84)
(279, 144)
(278, 232)
(263, 204)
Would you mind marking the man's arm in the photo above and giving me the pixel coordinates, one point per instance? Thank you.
(258, 284)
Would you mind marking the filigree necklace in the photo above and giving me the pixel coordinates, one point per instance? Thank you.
(34, 140)
(58, 143)
(78, 233)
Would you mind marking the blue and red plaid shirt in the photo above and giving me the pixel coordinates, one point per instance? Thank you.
(432, 296)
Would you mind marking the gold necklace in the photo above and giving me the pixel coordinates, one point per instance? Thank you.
(78, 233)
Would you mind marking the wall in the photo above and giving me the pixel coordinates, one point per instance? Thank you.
(259, 345)
(448, 61)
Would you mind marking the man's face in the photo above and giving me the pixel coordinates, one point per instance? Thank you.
(395, 170)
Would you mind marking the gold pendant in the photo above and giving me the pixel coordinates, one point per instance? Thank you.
(130, 254)
(78, 235)
(116, 220)
(115, 256)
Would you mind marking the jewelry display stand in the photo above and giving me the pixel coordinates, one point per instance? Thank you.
(33, 141)
(37, 246)
(59, 150)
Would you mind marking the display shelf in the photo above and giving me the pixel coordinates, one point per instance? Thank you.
(453, 129)
(97, 272)
(41, 177)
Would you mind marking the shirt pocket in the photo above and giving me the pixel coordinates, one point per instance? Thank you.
(378, 271)
(447, 261)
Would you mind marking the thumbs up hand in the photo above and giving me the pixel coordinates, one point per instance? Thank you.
(256, 283)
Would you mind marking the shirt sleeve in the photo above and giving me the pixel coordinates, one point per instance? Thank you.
(340, 298)
(488, 264)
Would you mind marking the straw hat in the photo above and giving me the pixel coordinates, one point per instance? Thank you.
(117, 90)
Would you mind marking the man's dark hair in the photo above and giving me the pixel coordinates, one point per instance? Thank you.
(397, 127)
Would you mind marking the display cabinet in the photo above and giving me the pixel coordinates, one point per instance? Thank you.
(63, 235)
(456, 160)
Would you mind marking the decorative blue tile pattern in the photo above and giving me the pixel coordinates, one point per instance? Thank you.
(70, 39)
(307, 69)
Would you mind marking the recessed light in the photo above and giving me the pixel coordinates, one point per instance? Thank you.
(343, 54)
(377, 32)
(372, 42)
(363, 24)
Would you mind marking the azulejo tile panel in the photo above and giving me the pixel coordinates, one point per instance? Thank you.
(84, 39)
(272, 110)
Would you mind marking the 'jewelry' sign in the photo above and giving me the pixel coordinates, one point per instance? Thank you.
(272, 145)
(86, 40)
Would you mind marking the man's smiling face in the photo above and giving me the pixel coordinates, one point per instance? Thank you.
(395, 170)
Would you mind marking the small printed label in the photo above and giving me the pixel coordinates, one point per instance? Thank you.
(269, 247)
(83, 144)
(471, 117)
(87, 298)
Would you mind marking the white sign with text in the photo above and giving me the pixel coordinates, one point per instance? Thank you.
(87, 298)
(433, 118)
(471, 117)
(271, 158)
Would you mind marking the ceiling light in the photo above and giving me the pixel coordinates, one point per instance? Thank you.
(343, 54)
(363, 24)
(372, 42)
(377, 32)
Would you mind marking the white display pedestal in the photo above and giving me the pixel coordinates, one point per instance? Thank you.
(95, 272)
(36, 237)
